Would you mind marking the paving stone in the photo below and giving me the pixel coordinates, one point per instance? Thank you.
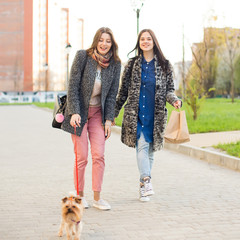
(193, 200)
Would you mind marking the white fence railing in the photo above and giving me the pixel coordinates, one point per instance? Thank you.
(28, 97)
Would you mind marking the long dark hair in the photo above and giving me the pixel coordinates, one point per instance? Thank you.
(96, 39)
(164, 63)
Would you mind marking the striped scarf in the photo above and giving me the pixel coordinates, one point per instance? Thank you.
(103, 61)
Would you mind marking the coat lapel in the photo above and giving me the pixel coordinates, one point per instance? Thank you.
(138, 72)
(92, 73)
(136, 81)
(105, 73)
(158, 73)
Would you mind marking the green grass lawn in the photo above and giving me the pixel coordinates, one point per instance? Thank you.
(47, 105)
(216, 115)
(4, 104)
(231, 148)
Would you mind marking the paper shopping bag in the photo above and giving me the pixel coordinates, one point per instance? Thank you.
(177, 129)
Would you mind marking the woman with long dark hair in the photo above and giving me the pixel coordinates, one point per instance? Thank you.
(92, 91)
(147, 83)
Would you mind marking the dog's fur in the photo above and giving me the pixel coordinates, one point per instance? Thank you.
(72, 212)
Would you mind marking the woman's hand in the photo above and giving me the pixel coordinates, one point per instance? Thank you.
(177, 104)
(107, 128)
(75, 120)
(113, 122)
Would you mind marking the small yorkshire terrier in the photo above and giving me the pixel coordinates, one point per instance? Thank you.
(72, 212)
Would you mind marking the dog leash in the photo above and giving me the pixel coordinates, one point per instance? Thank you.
(75, 150)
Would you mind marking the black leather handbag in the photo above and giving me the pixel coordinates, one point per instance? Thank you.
(60, 106)
(59, 111)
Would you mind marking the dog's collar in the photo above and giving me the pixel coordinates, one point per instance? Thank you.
(76, 222)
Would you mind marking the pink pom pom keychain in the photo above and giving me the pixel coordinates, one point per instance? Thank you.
(59, 117)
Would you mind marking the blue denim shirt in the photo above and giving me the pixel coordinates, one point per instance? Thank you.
(147, 101)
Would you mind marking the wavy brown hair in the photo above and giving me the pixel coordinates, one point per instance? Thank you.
(164, 63)
(96, 39)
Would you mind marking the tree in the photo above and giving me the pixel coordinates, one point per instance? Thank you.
(194, 97)
(195, 93)
(223, 84)
(237, 75)
(206, 59)
(230, 51)
(202, 75)
(211, 59)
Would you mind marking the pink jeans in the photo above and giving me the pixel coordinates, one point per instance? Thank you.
(93, 130)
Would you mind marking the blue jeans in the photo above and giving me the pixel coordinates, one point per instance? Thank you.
(144, 157)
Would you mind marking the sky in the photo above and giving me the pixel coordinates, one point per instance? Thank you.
(168, 19)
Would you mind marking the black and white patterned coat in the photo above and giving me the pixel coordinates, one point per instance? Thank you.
(130, 91)
(80, 89)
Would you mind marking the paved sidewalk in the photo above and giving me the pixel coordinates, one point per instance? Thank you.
(193, 200)
(214, 138)
(201, 147)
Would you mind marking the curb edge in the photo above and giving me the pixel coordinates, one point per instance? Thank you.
(220, 159)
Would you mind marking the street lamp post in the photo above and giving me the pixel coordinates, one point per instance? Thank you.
(183, 66)
(137, 6)
(45, 66)
(68, 49)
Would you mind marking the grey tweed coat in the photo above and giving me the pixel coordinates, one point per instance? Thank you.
(130, 91)
(80, 89)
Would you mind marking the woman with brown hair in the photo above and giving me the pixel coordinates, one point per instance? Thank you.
(92, 90)
(147, 83)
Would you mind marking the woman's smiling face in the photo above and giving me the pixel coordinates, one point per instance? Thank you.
(104, 44)
(146, 42)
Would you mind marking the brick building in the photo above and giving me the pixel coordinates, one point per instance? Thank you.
(13, 22)
(33, 37)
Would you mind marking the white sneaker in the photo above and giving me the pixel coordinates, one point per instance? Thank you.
(142, 196)
(148, 187)
(101, 204)
(84, 202)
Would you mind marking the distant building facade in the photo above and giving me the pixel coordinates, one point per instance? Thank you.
(12, 35)
(215, 59)
(34, 35)
(216, 38)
